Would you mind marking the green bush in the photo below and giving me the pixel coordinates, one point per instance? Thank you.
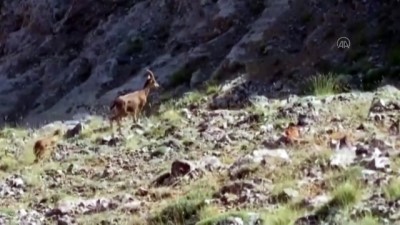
(323, 84)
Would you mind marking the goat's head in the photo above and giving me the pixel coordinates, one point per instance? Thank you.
(151, 80)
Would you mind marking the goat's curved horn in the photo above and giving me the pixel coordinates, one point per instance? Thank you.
(150, 72)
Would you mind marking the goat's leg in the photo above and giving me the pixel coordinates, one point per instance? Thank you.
(37, 159)
(53, 152)
(133, 118)
(140, 113)
(49, 156)
(141, 108)
(39, 156)
(136, 116)
(119, 126)
(112, 118)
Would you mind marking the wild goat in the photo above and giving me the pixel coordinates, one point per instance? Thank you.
(132, 103)
(292, 133)
(46, 144)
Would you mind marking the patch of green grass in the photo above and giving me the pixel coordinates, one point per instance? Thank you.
(33, 176)
(392, 190)
(171, 115)
(86, 134)
(189, 208)
(157, 132)
(346, 194)
(132, 143)
(323, 84)
(137, 220)
(284, 215)
(212, 89)
(208, 212)
(203, 188)
(8, 163)
(167, 105)
(260, 110)
(160, 151)
(366, 220)
(11, 132)
(93, 129)
(7, 211)
(343, 197)
(192, 98)
(352, 174)
(217, 218)
(279, 187)
(27, 156)
(178, 212)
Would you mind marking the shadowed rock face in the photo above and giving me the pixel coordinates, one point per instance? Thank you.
(65, 57)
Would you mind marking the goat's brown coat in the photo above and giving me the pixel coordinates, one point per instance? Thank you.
(292, 133)
(132, 103)
(45, 144)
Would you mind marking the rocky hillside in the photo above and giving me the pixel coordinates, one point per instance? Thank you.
(240, 133)
(330, 159)
(61, 58)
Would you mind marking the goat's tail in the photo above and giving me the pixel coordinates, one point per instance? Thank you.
(113, 105)
(116, 107)
(117, 104)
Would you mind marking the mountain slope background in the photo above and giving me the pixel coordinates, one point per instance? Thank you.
(65, 57)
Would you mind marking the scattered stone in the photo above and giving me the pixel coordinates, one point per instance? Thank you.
(29, 217)
(318, 201)
(75, 131)
(13, 186)
(379, 163)
(240, 192)
(249, 162)
(181, 168)
(343, 158)
(96, 205)
(110, 141)
(210, 163)
(286, 195)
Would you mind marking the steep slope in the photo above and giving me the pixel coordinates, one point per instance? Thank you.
(188, 165)
(80, 55)
(62, 58)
